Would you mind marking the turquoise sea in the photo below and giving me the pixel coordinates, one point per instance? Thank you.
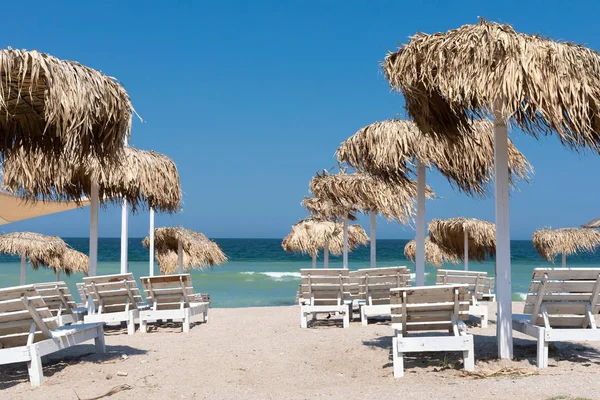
(260, 273)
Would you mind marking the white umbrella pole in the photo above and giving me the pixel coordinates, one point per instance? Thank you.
(94, 230)
(373, 239)
(466, 250)
(564, 260)
(124, 236)
(503, 275)
(179, 257)
(23, 269)
(314, 261)
(151, 242)
(326, 256)
(345, 254)
(420, 238)
(57, 275)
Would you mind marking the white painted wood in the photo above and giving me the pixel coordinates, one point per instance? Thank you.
(93, 270)
(326, 256)
(124, 236)
(503, 267)
(564, 260)
(151, 250)
(314, 261)
(345, 250)
(466, 255)
(57, 275)
(420, 237)
(373, 239)
(23, 269)
(179, 257)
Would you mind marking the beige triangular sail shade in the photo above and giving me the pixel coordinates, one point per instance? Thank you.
(16, 208)
(593, 224)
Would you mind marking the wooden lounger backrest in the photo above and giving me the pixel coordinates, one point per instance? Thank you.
(82, 290)
(479, 283)
(325, 286)
(375, 283)
(564, 297)
(354, 278)
(113, 293)
(427, 308)
(168, 292)
(24, 317)
(57, 296)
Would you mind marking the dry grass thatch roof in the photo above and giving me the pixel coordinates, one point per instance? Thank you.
(389, 149)
(360, 191)
(434, 255)
(50, 105)
(68, 261)
(141, 177)
(449, 235)
(545, 86)
(593, 224)
(35, 246)
(198, 250)
(311, 235)
(551, 242)
(327, 210)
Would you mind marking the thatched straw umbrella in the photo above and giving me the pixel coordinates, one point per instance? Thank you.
(33, 245)
(187, 247)
(139, 178)
(566, 241)
(366, 193)
(534, 83)
(68, 261)
(327, 210)
(311, 235)
(390, 149)
(434, 254)
(465, 238)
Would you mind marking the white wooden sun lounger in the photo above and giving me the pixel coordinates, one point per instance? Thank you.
(480, 287)
(171, 297)
(430, 308)
(83, 294)
(114, 298)
(562, 305)
(29, 331)
(374, 289)
(59, 300)
(325, 291)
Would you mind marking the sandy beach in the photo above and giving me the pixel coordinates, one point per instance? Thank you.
(262, 353)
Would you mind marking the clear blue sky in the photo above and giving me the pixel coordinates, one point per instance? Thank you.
(252, 98)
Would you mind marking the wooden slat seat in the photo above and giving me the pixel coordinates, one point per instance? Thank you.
(29, 330)
(113, 298)
(171, 297)
(562, 305)
(430, 308)
(59, 300)
(325, 291)
(374, 290)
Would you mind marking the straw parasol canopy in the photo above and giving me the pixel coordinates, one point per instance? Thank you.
(593, 224)
(140, 177)
(565, 241)
(68, 261)
(51, 105)
(311, 235)
(450, 235)
(434, 254)
(198, 250)
(544, 86)
(327, 210)
(367, 193)
(33, 245)
(389, 149)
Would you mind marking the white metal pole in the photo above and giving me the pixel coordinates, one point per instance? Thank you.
(124, 236)
(314, 261)
(564, 260)
(345, 251)
(179, 257)
(94, 230)
(420, 237)
(151, 242)
(503, 273)
(57, 274)
(373, 239)
(23, 269)
(466, 250)
(326, 256)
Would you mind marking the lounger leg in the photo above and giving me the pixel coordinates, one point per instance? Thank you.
(205, 315)
(130, 324)
(143, 325)
(34, 367)
(542, 349)
(469, 357)
(398, 359)
(99, 340)
(186, 320)
(484, 318)
(347, 319)
(363, 318)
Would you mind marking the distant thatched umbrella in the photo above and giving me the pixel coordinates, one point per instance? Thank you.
(566, 241)
(177, 248)
(390, 149)
(33, 245)
(68, 261)
(593, 224)
(363, 192)
(327, 210)
(465, 238)
(531, 82)
(434, 254)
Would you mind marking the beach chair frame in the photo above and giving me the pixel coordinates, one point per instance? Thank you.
(374, 290)
(562, 305)
(29, 331)
(430, 308)
(59, 300)
(325, 292)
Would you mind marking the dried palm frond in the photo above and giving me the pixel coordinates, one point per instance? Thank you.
(35, 246)
(68, 261)
(449, 234)
(551, 242)
(542, 86)
(326, 210)
(434, 255)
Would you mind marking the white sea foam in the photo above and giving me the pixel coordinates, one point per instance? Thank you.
(413, 276)
(522, 296)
